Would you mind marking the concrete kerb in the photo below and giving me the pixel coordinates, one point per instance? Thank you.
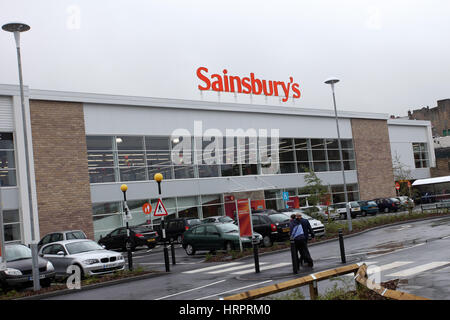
(352, 234)
(92, 286)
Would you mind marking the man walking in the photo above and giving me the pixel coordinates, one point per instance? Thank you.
(302, 241)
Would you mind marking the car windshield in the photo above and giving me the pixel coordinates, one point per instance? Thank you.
(278, 217)
(227, 228)
(17, 252)
(354, 204)
(362, 203)
(140, 229)
(225, 219)
(82, 246)
(75, 235)
(371, 203)
(192, 222)
(305, 216)
(339, 205)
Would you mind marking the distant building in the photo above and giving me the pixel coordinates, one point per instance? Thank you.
(442, 153)
(439, 117)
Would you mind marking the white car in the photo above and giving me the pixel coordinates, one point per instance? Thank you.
(92, 258)
(322, 211)
(316, 225)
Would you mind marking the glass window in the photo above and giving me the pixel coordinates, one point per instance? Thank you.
(317, 144)
(6, 141)
(288, 167)
(319, 155)
(184, 172)
(206, 171)
(130, 143)
(230, 170)
(166, 171)
(133, 174)
(249, 169)
(303, 166)
(7, 160)
(99, 175)
(99, 143)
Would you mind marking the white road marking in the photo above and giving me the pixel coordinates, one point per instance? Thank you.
(418, 269)
(395, 251)
(190, 290)
(445, 237)
(282, 264)
(156, 263)
(388, 266)
(213, 267)
(241, 288)
(236, 268)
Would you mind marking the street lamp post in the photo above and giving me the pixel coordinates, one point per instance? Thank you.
(158, 178)
(128, 244)
(331, 81)
(16, 28)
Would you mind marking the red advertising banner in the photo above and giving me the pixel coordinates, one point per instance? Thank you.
(244, 218)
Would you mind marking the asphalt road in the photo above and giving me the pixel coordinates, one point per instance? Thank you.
(417, 253)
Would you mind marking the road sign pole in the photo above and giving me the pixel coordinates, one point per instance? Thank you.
(239, 227)
(255, 242)
(124, 189)
(159, 177)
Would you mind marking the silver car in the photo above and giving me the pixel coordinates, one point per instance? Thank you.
(92, 258)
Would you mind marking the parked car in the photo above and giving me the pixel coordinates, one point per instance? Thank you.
(386, 205)
(61, 236)
(368, 207)
(175, 228)
(88, 255)
(320, 212)
(213, 237)
(140, 236)
(398, 203)
(273, 227)
(355, 209)
(340, 208)
(406, 201)
(218, 219)
(18, 272)
(316, 225)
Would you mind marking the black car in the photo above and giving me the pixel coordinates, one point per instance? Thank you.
(386, 205)
(61, 236)
(18, 271)
(177, 226)
(273, 227)
(140, 236)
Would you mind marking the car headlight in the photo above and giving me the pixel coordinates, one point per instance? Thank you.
(120, 257)
(91, 261)
(50, 266)
(13, 272)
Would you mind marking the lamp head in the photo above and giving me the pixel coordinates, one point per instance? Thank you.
(332, 80)
(158, 177)
(124, 188)
(16, 26)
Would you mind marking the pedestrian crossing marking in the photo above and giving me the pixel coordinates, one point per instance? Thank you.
(250, 265)
(418, 269)
(213, 267)
(281, 264)
(388, 266)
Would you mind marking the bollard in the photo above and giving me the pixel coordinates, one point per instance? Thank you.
(172, 249)
(341, 245)
(166, 252)
(294, 257)
(255, 254)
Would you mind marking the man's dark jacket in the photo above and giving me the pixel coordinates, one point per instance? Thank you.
(306, 228)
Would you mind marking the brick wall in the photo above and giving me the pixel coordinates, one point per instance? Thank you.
(373, 158)
(441, 169)
(61, 168)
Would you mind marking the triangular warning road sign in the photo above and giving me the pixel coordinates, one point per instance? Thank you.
(160, 210)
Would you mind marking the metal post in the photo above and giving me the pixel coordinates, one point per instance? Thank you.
(163, 228)
(294, 257)
(172, 249)
(128, 243)
(341, 246)
(2, 236)
(349, 218)
(255, 255)
(35, 262)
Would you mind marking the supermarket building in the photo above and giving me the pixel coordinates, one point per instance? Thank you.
(83, 146)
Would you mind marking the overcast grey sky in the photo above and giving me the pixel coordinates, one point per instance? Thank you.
(390, 55)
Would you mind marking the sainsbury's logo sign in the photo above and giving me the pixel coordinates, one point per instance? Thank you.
(247, 85)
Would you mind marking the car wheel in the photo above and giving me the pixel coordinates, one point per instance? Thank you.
(229, 246)
(180, 239)
(267, 241)
(386, 210)
(190, 251)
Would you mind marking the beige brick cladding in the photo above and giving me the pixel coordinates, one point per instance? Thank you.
(373, 158)
(61, 168)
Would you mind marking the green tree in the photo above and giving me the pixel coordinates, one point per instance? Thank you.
(314, 188)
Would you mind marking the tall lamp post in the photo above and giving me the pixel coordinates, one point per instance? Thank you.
(331, 81)
(16, 28)
(128, 244)
(158, 177)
